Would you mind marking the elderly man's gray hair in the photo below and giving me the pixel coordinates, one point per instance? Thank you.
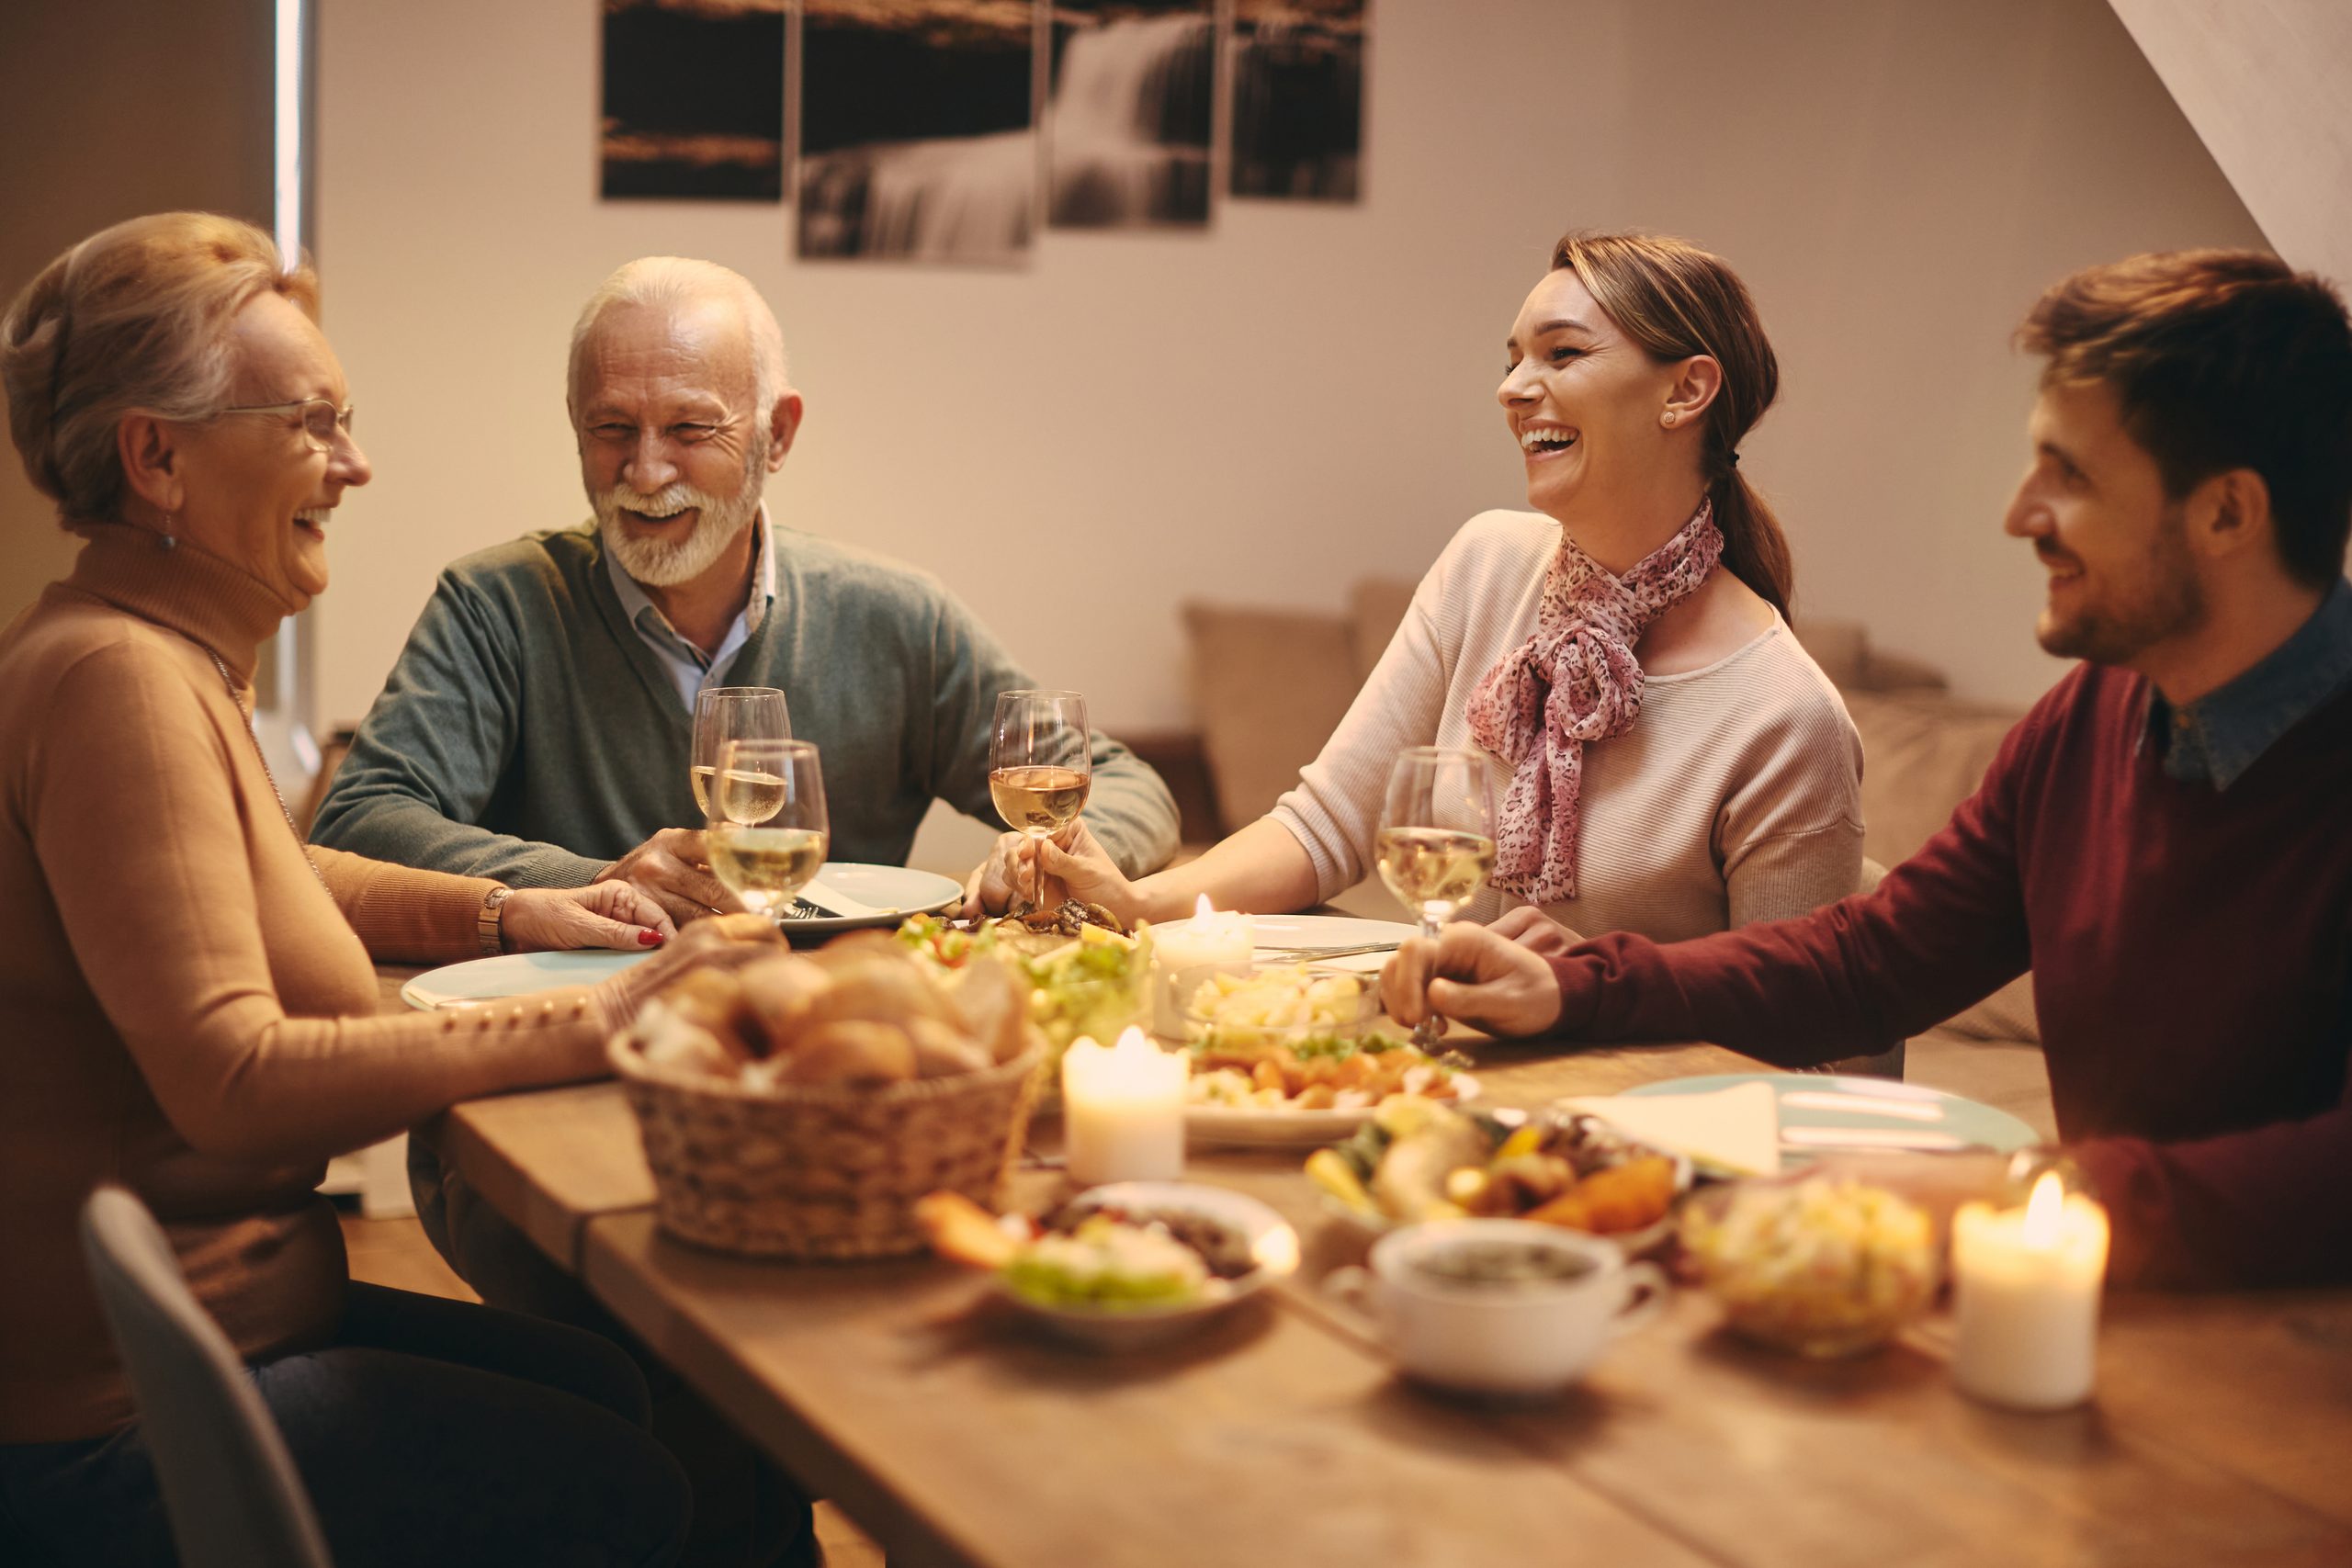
(683, 280)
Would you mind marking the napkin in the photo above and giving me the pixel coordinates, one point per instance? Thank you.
(840, 905)
(1737, 1129)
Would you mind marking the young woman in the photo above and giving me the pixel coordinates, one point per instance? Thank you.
(1675, 763)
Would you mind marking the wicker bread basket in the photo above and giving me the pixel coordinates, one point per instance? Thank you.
(829, 1171)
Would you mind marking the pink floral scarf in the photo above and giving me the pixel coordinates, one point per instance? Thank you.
(1575, 682)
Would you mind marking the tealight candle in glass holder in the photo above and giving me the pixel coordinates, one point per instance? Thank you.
(1208, 942)
(2027, 1277)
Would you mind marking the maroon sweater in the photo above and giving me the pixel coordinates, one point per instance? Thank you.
(2191, 952)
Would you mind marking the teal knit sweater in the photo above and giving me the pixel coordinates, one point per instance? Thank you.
(528, 734)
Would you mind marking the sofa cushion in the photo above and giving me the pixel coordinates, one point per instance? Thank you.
(1269, 686)
(1923, 753)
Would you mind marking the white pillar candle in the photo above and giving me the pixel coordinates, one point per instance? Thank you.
(1123, 1111)
(1227, 941)
(2026, 1286)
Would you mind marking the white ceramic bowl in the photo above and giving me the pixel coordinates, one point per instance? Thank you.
(1520, 1339)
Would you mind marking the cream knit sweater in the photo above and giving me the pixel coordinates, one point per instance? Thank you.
(1735, 798)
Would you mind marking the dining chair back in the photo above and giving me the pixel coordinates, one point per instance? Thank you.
(230, 1488)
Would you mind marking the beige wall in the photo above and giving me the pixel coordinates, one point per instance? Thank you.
(112, 108)
(2268, 87)
(1304, 394)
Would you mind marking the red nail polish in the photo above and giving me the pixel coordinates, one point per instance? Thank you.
(648, 939)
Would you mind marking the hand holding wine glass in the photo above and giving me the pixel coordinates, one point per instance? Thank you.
(768, 831)
(731, 713)
(1436, 842)
(1041, 764)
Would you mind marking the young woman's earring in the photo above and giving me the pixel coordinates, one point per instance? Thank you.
(167, 541)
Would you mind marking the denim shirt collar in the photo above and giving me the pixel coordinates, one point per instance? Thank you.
(688, 669)
(2216, 738)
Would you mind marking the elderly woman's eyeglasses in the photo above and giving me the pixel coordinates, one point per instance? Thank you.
(320, 418)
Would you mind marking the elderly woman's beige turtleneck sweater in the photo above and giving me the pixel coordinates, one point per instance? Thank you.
(184, 1009)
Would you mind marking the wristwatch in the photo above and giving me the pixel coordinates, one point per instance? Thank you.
(489, 924)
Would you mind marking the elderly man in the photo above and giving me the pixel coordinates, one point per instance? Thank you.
(536, 727)
(2162, 838)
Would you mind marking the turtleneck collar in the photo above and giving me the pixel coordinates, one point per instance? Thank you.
(197, 595)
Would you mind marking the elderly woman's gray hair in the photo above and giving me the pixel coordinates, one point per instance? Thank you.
(134, 320)
(672, 281)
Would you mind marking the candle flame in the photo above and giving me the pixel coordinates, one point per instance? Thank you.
(2041, 1210)
(1202, 908)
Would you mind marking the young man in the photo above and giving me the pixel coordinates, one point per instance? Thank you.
(2163, 840)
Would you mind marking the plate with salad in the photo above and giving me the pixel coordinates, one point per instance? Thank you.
(1121, 1266)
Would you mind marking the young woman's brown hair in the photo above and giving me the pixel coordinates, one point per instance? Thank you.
(1675, 300)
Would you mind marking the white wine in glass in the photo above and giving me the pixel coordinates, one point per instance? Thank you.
(1435, 845)
(768, 831)
(730, 713)
(1041, 764)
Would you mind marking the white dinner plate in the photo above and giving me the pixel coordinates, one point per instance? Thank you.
(1268, 1127)
(1320, 931)
(514, 974)
(895, 891)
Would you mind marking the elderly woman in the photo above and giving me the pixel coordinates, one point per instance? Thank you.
(188, 991)
(1675, 763)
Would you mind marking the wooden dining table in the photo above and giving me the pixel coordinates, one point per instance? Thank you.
(954, 1433)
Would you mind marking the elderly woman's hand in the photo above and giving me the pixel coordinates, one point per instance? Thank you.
(1487, 981)
(605, 914)
(1076, 866)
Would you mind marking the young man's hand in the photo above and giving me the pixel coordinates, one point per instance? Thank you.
(1471, 973)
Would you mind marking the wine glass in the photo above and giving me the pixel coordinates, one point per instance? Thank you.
(1041, 764)
(1436, 842)
(768, 833)
(731, 713)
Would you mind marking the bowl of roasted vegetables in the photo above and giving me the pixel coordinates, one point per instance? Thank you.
(1418, 1159)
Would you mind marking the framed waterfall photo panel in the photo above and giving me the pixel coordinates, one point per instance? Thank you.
(693, 99)
(918, 129)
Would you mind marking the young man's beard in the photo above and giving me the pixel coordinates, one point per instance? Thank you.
(664, 563)
(2164, 601)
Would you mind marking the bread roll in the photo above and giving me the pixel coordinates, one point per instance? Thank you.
(992, 1003)
(943, 1051)
(777, 995)
(858, 1051)
(880, 990)
(666, 1040)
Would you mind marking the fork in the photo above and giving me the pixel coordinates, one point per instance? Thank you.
(1348, 950)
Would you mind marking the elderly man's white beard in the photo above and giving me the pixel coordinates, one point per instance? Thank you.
(664, 563)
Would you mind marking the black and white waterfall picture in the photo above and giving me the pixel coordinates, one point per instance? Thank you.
(694, 100)
(918, 130)
(1298, 97)
(1128, 122)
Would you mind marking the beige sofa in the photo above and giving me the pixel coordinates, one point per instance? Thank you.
(1269, 685)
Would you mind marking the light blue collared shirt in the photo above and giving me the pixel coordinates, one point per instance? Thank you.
(2216, 738)
(682, 660)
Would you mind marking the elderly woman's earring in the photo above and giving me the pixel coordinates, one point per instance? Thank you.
(167, 541)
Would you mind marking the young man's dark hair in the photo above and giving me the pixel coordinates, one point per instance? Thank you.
(2222, 359)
